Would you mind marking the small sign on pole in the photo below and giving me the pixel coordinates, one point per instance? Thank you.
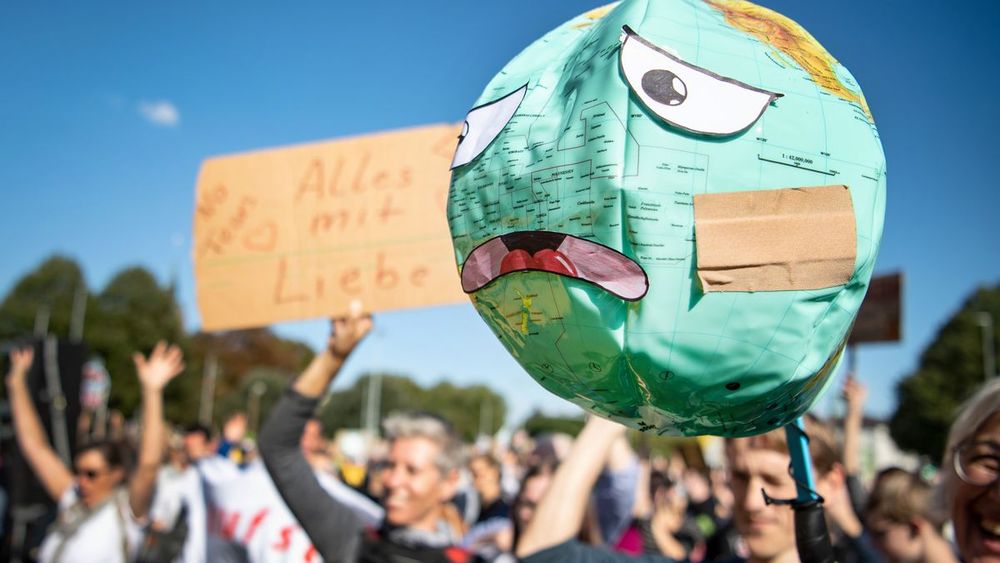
(879, 319)
(96, 385)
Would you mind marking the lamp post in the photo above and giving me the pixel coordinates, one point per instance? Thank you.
(985, 322)
(257, 391)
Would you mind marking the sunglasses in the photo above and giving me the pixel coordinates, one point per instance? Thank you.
(89, 474)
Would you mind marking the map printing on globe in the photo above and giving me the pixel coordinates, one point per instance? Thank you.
(668, 211)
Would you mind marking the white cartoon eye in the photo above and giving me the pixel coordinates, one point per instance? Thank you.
(688, 97)
(483, 124)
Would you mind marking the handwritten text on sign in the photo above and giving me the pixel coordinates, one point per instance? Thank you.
(300, 232)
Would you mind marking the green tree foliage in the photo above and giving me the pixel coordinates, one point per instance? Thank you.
(951, 369)
(464, 407)
(471, 409)
(539, 423)
(267, 383)
(239, 353)
(53, 285)
(132, 313)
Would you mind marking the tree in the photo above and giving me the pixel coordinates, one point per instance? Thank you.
(270, 383)
(53, 285)
(951, 369)
(539, 423)
(132, 313)
(471, 410)
(460, 406)
(239, 353)
(343, 409)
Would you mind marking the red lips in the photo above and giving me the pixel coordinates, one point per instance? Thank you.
(545, 260)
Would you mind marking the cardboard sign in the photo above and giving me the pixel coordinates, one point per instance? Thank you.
(880, 315)
(300, 232)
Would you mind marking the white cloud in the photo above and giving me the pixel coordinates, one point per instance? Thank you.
(160, 112)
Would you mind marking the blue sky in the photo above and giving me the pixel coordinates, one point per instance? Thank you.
(108, 108)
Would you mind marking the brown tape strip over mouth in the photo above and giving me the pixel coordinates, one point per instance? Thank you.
(775, 240)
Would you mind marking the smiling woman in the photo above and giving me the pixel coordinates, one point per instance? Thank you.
(971, 484)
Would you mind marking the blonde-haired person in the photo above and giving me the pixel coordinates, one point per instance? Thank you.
(970, 483)
(900, 522)
(762, 462)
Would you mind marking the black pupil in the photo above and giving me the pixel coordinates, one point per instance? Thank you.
(661, 86)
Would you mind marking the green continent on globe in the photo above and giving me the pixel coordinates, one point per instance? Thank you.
(572, 211)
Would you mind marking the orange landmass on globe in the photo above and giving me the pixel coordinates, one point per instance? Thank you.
(595, 14)
(791, 39)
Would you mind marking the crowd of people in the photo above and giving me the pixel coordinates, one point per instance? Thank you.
(421, 494)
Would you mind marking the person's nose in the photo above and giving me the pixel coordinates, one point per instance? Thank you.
(753, 498)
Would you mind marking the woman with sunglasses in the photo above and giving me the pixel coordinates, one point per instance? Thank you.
(100, 511)
(971, 476)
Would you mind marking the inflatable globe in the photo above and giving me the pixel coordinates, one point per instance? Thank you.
(668, 212)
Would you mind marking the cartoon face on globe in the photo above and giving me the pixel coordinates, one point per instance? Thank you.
(668, 212)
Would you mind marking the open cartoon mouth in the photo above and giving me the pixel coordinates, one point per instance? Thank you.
(556, 253)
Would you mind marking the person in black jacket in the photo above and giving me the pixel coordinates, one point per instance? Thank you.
(422, 475)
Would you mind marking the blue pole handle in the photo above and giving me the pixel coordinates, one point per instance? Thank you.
(798, 450)
(812, 540)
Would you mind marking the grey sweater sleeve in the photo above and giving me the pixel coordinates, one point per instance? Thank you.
(333, 528)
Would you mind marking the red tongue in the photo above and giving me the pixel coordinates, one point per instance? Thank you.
(546, 260)
(555, 262)
(516, 260)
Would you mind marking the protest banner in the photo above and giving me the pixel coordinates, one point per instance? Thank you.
(300, 232)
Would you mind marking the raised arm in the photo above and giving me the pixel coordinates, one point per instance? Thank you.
(163, 364)
(50, 469)
(854, 398)
(331, 525)
(561, 509)
(345, 334)
(855, 394)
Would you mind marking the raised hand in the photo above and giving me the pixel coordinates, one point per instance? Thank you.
(347, 332)
(163, 364)
(20, 363)
(855, 394)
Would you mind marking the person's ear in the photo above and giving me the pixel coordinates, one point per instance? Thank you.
(919, 525)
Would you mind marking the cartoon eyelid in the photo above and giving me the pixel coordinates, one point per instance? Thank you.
(686, 96)
(496, 121)
(500, 99)
(629, 33)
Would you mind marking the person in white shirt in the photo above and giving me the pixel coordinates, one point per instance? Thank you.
(248, 515)
(101, 512)
(179, 492)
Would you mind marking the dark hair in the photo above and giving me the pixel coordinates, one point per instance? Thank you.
(899, 496)
(545, 468)
(114, 453)
(198, 428)
(659, 480)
